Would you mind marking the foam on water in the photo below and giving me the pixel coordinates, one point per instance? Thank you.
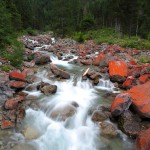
(77, 132)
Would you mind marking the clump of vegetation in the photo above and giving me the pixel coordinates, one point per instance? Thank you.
(14, 54)
(78, 36)
(145, 60)
(6, 68)
(110, 36)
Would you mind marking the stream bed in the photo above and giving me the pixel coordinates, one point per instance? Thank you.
(78, 132)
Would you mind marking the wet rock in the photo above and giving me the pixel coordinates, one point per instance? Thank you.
(6, 124)
(11, 103)
(117, 78)
(30, 133)
(17, 84)
(99, 59)
(96, 81)
(18, 76)
(49, 89)
(5, 92)
(99, 115)
(42, 59)
(141, 99)
(143, 140)
(129, 123)
(63, 112)
(86, 62)
(118, 71)
(95, 76)
(75, 104)
(22, 93)
(121, 103)
(108, 129)
(31, 87)
(59, 72)
(23, 147)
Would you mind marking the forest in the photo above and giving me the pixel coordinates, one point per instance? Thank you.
(131, 18)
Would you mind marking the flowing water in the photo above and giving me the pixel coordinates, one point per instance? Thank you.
(77, 132)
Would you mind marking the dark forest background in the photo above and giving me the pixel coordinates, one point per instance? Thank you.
(101, 20)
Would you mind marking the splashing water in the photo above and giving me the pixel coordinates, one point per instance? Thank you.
(77, 132)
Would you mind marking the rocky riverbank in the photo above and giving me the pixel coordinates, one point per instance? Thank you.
(130, 109)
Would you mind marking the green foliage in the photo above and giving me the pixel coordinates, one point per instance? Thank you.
(5, 25)
(16, 55)
(78, 36)
(87, 23)
(6, 68)
(31, 32)
(108, 35)
(145, 60)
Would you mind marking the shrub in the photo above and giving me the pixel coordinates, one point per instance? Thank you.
(6, 68)
(145, 60)
(15, 56)
(78, 36)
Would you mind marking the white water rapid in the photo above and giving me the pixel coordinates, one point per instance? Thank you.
(78, 132)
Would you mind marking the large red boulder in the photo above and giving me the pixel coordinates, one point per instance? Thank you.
(141, 99)
(121, 103)
(15, 75)
(99, 58)
(118, 70)
(143, 141)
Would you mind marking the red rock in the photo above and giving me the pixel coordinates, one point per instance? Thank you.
(135, 71)
(144, 78)
(5, 124)
(11, 103)
(17, 76)
(129, 82)
(135, 52)
(121, 103)
(141, 99)
(99, 58)
(118, 68)
(17, 84)
(143, 141)
(132, 62)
